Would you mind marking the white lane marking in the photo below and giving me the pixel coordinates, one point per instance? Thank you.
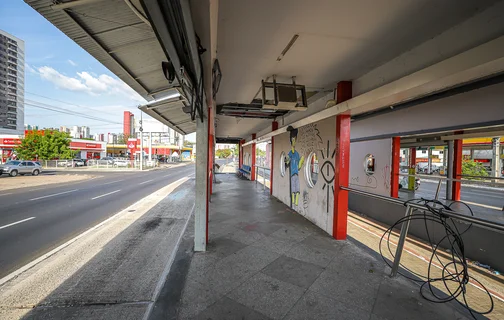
(481, 194)
(53, 195)
(112, 182)
(69, 242)
(167, 175)
(20, 221)
(146, 181)
(5, 194)
(106, 194)
(483, 205)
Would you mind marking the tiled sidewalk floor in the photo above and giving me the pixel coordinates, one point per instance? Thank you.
(266, 262)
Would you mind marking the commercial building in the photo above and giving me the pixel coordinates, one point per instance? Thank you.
(11, 84)
(129, 124)
(86, 149)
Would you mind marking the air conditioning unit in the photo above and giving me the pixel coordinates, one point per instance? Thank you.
(284, 96)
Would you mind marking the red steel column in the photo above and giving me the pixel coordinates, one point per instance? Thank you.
(240, 153)
(394, 174)
(253, 169)
(412, 159)
(457, 168)
(274, 126)
(342, 164)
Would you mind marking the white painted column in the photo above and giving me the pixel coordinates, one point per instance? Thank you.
(201, 205)
(496, 161)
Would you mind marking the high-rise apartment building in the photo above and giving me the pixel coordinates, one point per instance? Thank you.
(129, 124)
(11, 84)
(85, 132)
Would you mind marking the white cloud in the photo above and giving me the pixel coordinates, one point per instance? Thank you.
(30, 69)
(89, 83)
(72, 63)
(61, 81)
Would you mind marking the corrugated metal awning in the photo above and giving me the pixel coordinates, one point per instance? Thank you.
(118, 34)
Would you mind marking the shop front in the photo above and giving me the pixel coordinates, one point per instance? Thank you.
(7, 146)
(88, 149)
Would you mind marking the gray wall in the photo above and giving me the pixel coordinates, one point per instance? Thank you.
(480, 244)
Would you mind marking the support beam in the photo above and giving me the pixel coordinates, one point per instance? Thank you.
(274, 126)
(394, 174)
(342, 164)
(457, 169)
(253, 153)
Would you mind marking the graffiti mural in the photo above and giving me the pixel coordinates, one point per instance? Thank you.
(327, 171)
(385, 173)
(294, 161)
(371, 182)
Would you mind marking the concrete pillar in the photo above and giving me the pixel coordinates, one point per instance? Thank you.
(429, 160)
(150, 146)
(412, 169)
(394, 174)
(201, 200)
(253, 156)
(457, 169)
(342, 164)
(496, 161)
(471, 150)
(274, 126)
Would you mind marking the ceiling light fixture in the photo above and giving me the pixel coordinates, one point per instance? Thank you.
(287, 48)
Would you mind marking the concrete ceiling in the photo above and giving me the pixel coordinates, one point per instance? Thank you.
(338, 40)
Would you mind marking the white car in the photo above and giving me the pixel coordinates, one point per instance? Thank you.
(121, 163)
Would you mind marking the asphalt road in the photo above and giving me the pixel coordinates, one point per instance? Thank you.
(494, 198)
(35, 220)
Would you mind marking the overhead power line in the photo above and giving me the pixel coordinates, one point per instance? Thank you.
(73, 104)
(49, 107)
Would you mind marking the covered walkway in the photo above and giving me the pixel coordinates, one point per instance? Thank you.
(264, 261)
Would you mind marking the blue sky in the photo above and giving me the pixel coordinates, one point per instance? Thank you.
(57, 68)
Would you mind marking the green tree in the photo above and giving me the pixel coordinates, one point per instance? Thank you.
(260, 153)
(188, 144)
(223, 153)
(473, 168)
(235, 150)
(45, 145)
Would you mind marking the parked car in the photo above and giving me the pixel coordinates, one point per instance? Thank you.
(121, 163)
(105, 161)
(15, 167)
(78, 163)
(64, 163)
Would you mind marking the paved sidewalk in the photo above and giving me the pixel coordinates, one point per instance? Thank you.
(113, 272)
(266, 262)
